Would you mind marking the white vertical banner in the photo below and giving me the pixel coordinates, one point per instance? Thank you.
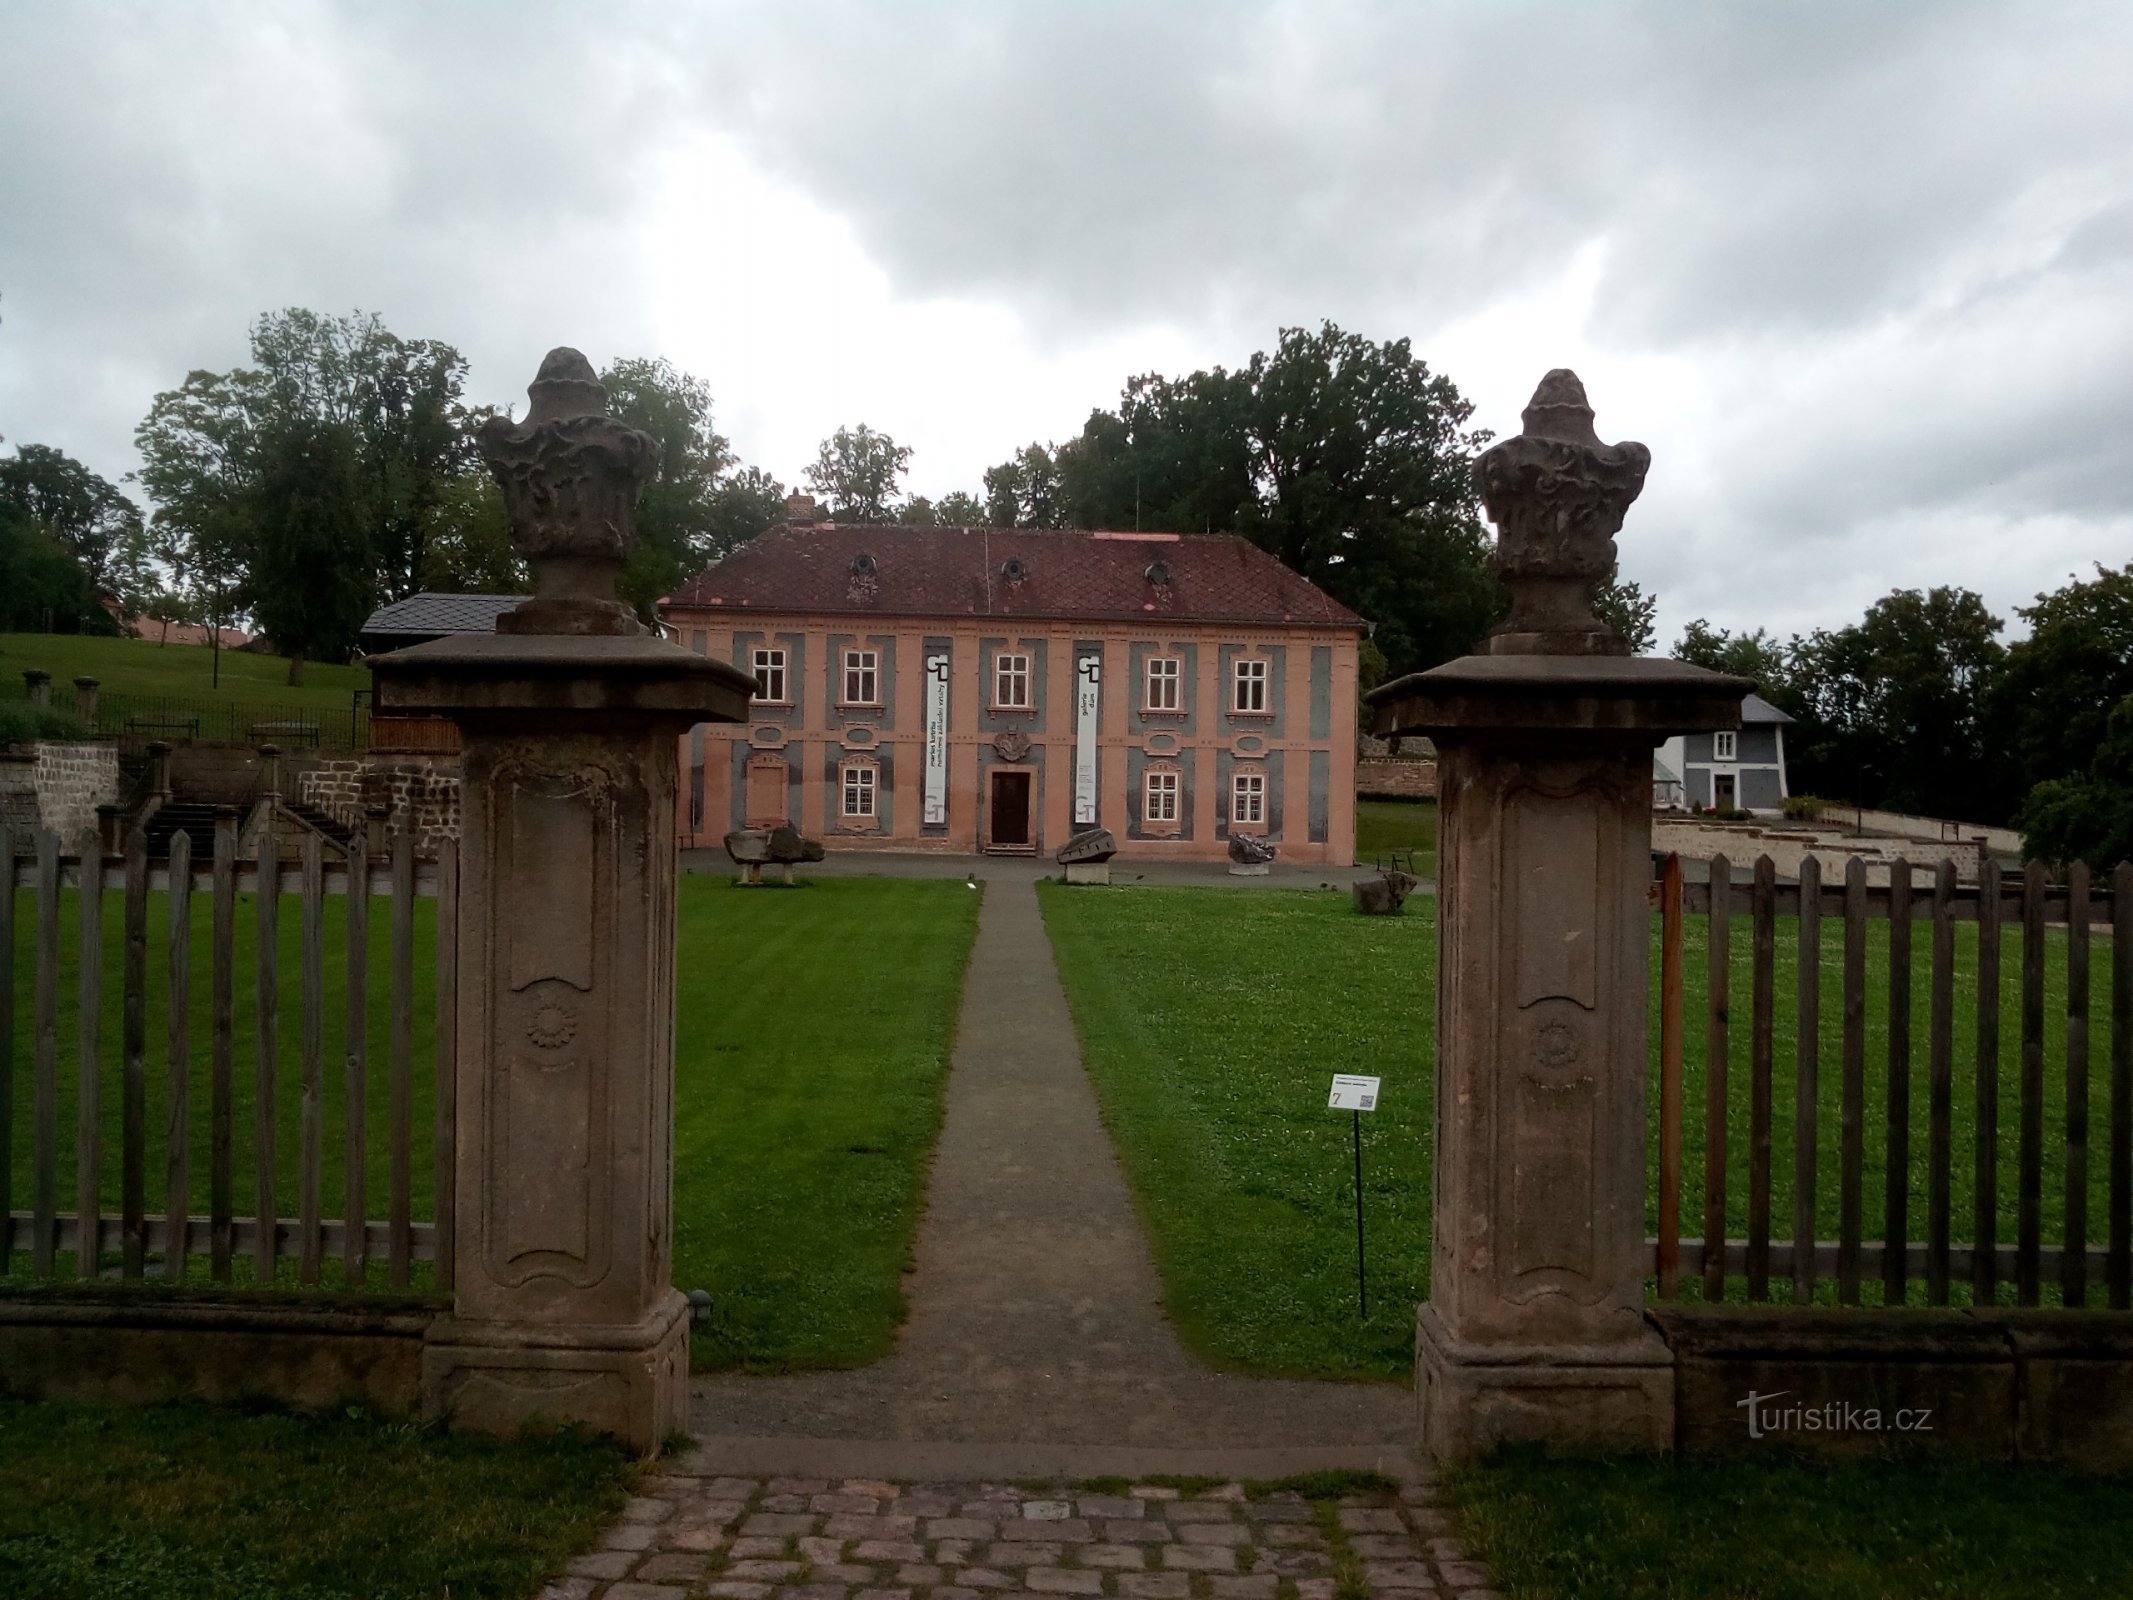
(936, 798)
(1088, 675)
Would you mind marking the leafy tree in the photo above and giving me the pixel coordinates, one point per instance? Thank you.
(2052, 705)
(2087, 815)
(1632, 613)
(337, 421)
(857, 472)
(675, 513)
(960, 510)
(1348, 459)
(1893, 708)
(1745, 655)
(747, 502)
(84, 515)
(469, 550)
(43, 587)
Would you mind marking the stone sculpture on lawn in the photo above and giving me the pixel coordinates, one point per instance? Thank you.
(1087, 856)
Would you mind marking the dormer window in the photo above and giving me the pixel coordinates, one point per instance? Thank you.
(862, 565)
(1014, 569)
(1157, 574)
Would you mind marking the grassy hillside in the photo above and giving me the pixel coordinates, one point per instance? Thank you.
(142, 667)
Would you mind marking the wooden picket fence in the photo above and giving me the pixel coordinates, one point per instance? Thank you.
(178, 1234)
(2048, 913)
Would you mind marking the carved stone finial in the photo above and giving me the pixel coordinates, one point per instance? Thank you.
(570, 475)
(1557, 496)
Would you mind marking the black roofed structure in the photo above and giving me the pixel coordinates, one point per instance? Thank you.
(422, 617)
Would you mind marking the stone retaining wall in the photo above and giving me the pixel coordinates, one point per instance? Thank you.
(417, 791)
(1395, 778)
(1789, 845)
(2049, 1386)
(55, 785)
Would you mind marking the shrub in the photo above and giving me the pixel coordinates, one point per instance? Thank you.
(1804, 807)
(21, 722)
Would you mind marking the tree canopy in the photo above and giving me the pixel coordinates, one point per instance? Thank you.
(858, 471)
(69, 539)
(1348, 459)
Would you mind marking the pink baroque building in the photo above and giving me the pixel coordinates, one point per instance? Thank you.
(999, 689)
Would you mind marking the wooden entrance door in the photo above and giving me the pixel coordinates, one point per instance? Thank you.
(1010, 811)
(1724, 788)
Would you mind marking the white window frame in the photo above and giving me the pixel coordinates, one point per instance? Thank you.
(862, 672)
(1247, 797)
(1248, 686)
(1725, 746)
(1159, 796)
(770, 672)
(858, 781)
(1164, 676)
(1010, 671)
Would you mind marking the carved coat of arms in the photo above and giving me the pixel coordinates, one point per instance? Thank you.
(1011, 744)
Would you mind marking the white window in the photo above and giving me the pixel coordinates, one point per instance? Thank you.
(1250, 686)
(858, 790)
(1010, 682)
(770, 676)
(1161, 792)
(862, 677)
(1247, 797)
(1163, 683)
(1722, 747)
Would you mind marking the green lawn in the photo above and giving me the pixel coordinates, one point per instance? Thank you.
(134, 1503)
(815, 1030)
(1635, 1528)
(1212, 1023)
(143, 667)
(814, 1027)
(1384, 826)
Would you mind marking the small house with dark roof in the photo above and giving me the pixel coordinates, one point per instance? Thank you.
(1727, 771)
(423, 617)
(1000, 689)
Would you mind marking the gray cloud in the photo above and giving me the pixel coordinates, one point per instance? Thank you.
(1891, 244)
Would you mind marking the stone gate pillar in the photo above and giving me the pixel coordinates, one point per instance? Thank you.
(564, 1305)
(1534, 1327)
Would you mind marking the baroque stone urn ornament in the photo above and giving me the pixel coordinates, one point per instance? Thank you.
(1557, 496)
(570, 475)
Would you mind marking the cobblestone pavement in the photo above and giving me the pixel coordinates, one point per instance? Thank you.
(686, 1537)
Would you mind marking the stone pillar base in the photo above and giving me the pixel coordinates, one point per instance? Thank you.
(1250, 869)
(1473, 1397)
(497, 1377)
(1088, 872)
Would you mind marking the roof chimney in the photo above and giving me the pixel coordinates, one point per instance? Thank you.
(800, 509)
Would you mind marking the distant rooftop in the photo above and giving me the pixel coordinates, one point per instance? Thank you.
(896, 571)
(1754, 708)
(422, 617)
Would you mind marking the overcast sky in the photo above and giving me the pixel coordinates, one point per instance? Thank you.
(1861, 275)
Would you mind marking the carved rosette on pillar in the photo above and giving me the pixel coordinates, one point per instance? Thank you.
(563, 1301)
(1534, 1327)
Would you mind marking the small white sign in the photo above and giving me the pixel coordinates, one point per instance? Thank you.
(1351, 1093)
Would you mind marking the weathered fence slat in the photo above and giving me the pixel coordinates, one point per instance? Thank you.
(2119, 1275)
(447, 1057)
(133, 1057)
(222, 963)
(1807, 1076)
(177, 1122)
(7, 1047)
(1763, 912)
(402, 1000)
(355, 1184)
(310, 1178)
(89, 1094)
(1940, 1091)
(1670, 1078)
(2073, 1274)
(2029, 1171)
(1717, 1003)
(1985, 1214)
(1852, 1117)
(267, 1246)
(1896, 1161)
(44, 1197)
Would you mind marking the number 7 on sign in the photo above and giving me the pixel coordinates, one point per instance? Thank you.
(1352, 1093)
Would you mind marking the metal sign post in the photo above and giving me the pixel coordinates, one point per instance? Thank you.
(1357, 1095)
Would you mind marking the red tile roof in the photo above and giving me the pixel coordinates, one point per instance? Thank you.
(1011, 572)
